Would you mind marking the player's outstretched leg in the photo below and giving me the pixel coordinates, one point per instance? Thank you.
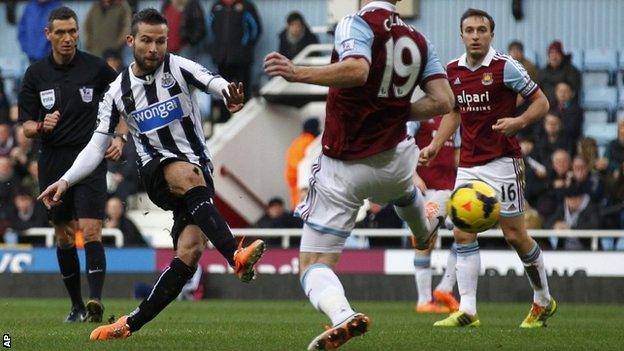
(443, 293)
(411, 209)
(327, 295)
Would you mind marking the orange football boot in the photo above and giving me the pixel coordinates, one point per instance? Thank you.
(334, 337)
(245, 258)
(117, 330)
(447, 299)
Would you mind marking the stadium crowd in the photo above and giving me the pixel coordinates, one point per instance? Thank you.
(571, 182)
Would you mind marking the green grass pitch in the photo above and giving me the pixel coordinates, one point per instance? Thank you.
(36, 324)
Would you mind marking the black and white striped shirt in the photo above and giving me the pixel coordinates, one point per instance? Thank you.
(162, 115)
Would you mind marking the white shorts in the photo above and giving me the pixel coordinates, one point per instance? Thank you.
(338, 188)
(440, 197)
(506, 176)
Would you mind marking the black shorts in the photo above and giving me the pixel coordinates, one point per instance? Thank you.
(86, 199)
(153, 178)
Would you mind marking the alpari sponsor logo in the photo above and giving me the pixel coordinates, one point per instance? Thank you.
(158, 115)
(468, 101)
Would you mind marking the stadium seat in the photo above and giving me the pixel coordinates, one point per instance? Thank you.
(621, 61)
(600, 98)
(603, 133)
(577, 58)
(620, 115)
(595, 79)
(12, 66)
(621, 98)
(597, 116)
(604, 60)
(531, 55)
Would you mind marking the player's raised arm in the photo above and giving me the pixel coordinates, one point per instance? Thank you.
(353, 41)
(90, 157)
(438, 99)
(199, 77)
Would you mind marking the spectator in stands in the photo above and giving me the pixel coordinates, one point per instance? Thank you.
(296, 36)
(22, 152)
(576, 212)
(295, 153)
(7, 186)
(4, 103)
(187, 25)
(6, 139)
(588, 181)
(615, 152)
(236, 28)
(27, 213)
(30, 32)
(552, 139)
(116, 218)
(559, 178)
(381, 217)
(535, 172)
(516, 51)
(587, 148)
(276, 216)
(113, 59)
(31, 181)
(613, 212)
(558, 69)
(570, 111)
(107, 25)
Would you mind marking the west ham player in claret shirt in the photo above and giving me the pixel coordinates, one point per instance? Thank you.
(377, 62)
(486, 85)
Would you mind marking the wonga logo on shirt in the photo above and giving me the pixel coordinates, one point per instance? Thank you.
(158, 115)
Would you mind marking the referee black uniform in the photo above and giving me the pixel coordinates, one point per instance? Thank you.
(74, 90)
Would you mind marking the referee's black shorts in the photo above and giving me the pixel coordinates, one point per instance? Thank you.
(153, 179)
(86, 199)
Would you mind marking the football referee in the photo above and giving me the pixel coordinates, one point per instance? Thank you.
(58, 103)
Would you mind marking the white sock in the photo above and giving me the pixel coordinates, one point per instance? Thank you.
(326, 293)
(413, 213)
(468, 267)
(422, 265)
(536, 272)
(449, 277)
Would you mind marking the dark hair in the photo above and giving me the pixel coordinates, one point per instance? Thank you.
(516, 44)
(147, 16)
(61, 13)
(276, 201)
(295, 16)
(478, 13)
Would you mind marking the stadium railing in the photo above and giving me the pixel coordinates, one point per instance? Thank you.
(48, 233)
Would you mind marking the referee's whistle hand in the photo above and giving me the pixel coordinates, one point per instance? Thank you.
(52, 195)
(50, 121)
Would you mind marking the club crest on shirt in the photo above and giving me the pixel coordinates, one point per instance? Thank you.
(487, 79)
(167, 80)
(86, 94)
(47, 98)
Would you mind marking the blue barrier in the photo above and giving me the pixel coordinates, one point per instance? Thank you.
(43, 260)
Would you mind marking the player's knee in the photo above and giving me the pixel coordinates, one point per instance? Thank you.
(515, 237)
(64, 241)
(187, 181)
(91, 232)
